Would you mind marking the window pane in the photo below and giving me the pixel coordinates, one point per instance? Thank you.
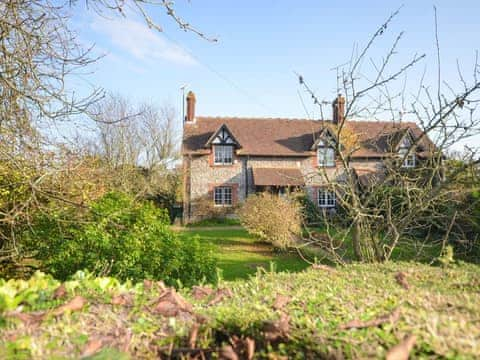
(227, 200)
(228, 154)
(409, 160)
(326, 198)
(218, 155)
(223, 195)
(326, 156)
(218, 196)
(223, 154)
(330, 157)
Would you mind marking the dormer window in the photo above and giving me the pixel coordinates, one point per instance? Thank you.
(325, 156)
(407, 153)
(409, 158)
(223, 154)
(222, 143)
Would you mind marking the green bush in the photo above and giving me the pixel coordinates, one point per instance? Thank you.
(122, 237)
(310, 211)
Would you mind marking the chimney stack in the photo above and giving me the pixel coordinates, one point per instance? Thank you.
(338, 109)
(190, 117)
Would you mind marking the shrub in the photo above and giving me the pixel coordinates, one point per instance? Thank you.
(205, 209)
(272, 218)
(121, 237)
(310, 211)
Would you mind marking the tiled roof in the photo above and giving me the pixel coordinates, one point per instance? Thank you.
(295, 137)
(277, 177)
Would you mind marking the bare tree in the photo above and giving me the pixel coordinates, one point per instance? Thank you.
(145, 142)
(399, 203)
(159, 135)
(39, 54)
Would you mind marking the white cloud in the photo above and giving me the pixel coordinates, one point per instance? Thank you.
(139, 41)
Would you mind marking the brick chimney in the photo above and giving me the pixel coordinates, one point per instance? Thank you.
(190, 117)
(338, 109)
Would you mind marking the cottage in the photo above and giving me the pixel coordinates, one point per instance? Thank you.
(226, 158)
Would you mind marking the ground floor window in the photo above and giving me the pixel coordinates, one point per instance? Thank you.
(223, 195)
(326, 198)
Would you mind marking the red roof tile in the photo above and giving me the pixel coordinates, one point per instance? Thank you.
(295, 137)
(277, 177)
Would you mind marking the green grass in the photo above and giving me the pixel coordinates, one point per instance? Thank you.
(215, 222)
(239, 254)
(440, 309)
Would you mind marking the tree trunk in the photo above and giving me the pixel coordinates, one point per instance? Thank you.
(356, 240)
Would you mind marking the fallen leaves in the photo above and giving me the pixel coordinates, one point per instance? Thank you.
(192, 339)
(402, 350)
(220, 295)
(76, 304)
(29, 319)
(391, 318)
(170, 303)
(239, 348)
(201, 292)
(401, 278)
(60, 292)
(227, 353)
(123, 300)
(281, 301)
(92, 347)
(277, 330)
(35, 318)
(250, 348)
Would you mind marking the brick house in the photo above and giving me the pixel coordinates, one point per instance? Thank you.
(225, 159)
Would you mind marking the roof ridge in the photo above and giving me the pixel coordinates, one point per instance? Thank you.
(256, 118)
(242, 118)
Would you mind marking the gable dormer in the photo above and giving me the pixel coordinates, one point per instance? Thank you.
(406, 150)
(324, 147)
(223, 144)
(223, 136)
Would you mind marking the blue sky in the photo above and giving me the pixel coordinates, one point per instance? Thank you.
(249, 72)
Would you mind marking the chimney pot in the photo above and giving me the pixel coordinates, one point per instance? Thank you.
(190, 117)
(338, 109)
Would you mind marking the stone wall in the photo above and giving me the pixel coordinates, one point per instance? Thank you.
(204, 175)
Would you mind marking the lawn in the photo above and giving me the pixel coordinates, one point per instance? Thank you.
(240, 255)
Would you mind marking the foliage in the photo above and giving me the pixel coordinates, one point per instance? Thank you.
(440, 308)
(272, 218)
(122, 237)
(309, 209)
(43, 165)
(206, 210)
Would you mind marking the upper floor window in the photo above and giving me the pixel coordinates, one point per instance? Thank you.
(223, 155)
(223, 196)
(326, 156)
(409, 158)
(326, 198)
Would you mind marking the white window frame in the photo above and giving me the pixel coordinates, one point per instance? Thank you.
(409, 158)
(326, 199)
(325, 156)
(224, 195)
(222, 154)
